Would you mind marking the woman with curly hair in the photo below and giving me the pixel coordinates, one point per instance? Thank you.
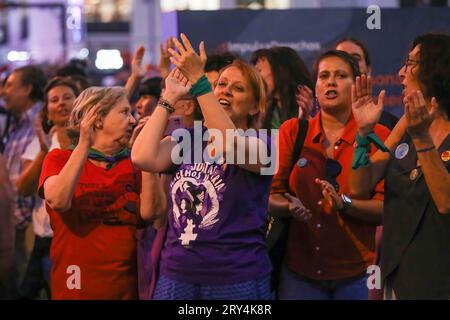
(415, 255)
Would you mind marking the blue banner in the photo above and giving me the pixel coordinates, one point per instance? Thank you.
(310, 31)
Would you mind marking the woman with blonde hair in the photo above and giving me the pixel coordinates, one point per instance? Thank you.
(96, 199)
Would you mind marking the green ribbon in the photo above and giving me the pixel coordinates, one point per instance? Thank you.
(201, 87)
(110, 160)
(362, 150)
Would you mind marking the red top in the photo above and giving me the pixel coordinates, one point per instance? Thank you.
(94, 245)
(330, 246)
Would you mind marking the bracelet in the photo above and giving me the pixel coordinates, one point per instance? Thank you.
(425, 149)
(166, 105)
(201, 87)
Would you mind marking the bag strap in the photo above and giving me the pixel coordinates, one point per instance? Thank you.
(298, 146)
(299, 140)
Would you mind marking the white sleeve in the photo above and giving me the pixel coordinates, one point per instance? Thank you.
(32, 150)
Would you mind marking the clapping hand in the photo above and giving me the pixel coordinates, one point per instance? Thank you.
(177, 86)
(330, 195)
(87, 127)
(44, 139)
(164, 58)
(366, 112)
(304, 101)
(297, 209)
(418, 117)
(191, 64)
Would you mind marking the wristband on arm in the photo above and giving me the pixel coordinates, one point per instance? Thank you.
(362, 150)
(425, 149)
(201, 87)
(166, 105)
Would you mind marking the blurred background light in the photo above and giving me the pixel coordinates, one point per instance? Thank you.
(108, 59)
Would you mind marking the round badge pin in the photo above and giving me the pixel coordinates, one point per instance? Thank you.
(302, 162)
(413, 175)
(402, 150)
(445, 156)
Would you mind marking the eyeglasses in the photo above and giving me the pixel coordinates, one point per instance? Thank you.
(410, 63)
(332, 169)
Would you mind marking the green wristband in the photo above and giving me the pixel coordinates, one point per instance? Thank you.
(361, 157)
(201, 87)
(371, 138)
(362, 150)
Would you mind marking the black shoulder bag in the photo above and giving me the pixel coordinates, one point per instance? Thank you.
(278, 227)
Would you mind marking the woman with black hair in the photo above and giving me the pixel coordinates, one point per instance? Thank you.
(332, 235)
(284, 73)
(415, 258)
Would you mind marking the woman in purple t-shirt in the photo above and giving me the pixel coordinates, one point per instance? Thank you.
(215, 246)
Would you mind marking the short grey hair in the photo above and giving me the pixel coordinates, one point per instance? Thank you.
(106, 97)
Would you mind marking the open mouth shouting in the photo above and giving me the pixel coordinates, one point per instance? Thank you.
(225, 103)
(331, 94)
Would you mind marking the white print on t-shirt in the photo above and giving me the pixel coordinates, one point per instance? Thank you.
(195, 193)
(374, 278)
(74, 280)
(188, 234)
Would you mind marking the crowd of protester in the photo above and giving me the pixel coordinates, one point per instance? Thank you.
(119, 209)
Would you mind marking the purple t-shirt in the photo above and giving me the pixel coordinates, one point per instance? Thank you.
(216, 233)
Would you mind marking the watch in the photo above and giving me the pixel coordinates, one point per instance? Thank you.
(347, 202)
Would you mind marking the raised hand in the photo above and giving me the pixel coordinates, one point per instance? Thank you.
(164, 57)
(304, 101)
(191, 64)
(330, 196)
(138, 70)
(366, 112)
(297, 209)
(86, 139)
(418, 117)
(44, 139)
(177, 86)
